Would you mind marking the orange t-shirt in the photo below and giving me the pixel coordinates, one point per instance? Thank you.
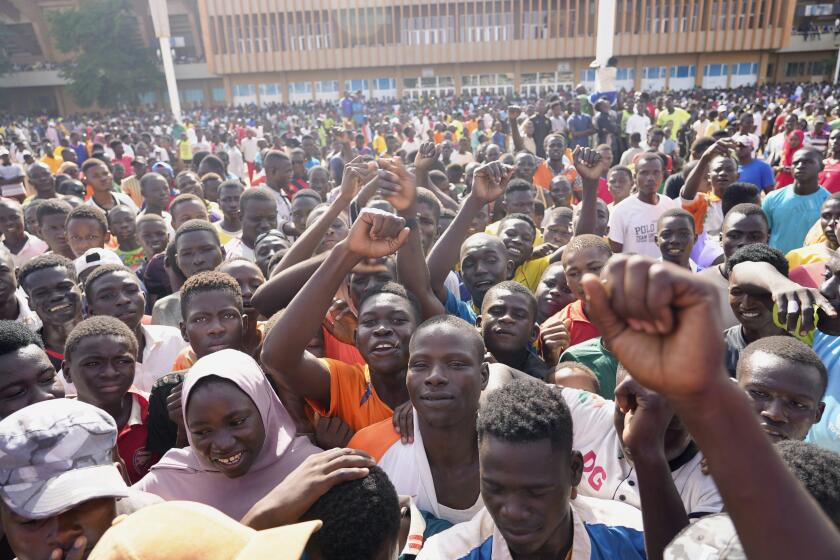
(698, 208)
(352, 396)
(581, 328)
(376, 439)
(544, 175)
(341, 351)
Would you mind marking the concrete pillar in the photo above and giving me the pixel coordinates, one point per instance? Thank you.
(160, 19)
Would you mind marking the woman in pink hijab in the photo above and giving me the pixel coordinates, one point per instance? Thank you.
(242, 439)
(793, 142)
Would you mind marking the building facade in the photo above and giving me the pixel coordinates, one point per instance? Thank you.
(263, 51)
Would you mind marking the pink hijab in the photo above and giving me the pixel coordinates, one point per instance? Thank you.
(183, 475)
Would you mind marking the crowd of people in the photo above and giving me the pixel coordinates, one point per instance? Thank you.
(574, 326)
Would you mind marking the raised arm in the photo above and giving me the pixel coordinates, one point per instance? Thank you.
(513, 115)
(590, 167)
(427, 155)
(651, 315)
(489, 183)
(698, 175)
(278, 291)
(284, 355)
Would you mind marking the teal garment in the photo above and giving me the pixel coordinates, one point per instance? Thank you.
(593, 355)
(791, 216)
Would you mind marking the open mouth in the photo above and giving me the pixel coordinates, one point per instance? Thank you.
(384, 348)
(60, 308)
(230, 460)
(750, 314)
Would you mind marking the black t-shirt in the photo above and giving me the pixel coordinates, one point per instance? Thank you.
(735, 344)
(163, 432)
(673, 185)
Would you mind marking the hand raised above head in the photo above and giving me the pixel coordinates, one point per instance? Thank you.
(376, 233)
(490, 181)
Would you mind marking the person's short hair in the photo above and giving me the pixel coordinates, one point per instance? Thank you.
(818, 469)
(623, 169)
(519, 185)
(272, 155)
(675, 213)
(87, 212)
(42, 262)
(635, 136)
(214, 164)
(758, 252)
(581, 368)
(468, 331)
(100, 271)
(585, 241)
(51, 207)
(308, 193)
(196, 225)
(15, 335)
(231, 183)
(150, 218)
(181, 198)
(149, 177)
(738, 192)
(510, 286)
(92, 162)
(359, 518)
(788, 348)
(260, 194)
(749, 209)
(209, 281)
(395, 289)
(425, 196)
(648, 156)
(701, 144)
(524, 411)
(559, 211)
(523, 217)
(554, 136)
(99, 325)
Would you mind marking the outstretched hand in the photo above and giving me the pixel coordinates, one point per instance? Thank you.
(426, 157)
(589, 164)
(357, 173)
(652, 315)
(398, 187)
(376, 233)
(490, 181)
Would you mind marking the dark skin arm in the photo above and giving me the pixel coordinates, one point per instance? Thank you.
(426, 157)
(697, 177)
(284, 354)
(513, 114)
(590, 167)
(278, 291)
(489, 183)
(651, 315)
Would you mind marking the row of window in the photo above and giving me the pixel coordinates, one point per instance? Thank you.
(645, 16)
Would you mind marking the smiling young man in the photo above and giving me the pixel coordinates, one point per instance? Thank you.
(28, 375)
(99, 359)
(717, 168)
(115, 291)
(675, 237)
(259, 215)
(529, 471)
(50, 284)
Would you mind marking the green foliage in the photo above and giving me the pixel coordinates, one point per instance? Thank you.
(5, 61)
(110, 65)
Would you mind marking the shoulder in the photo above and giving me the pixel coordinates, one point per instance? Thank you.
(473, 540)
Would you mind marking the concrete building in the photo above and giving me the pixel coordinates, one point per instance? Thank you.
(262, 51)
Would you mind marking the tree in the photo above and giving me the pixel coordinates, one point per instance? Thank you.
(110, 65)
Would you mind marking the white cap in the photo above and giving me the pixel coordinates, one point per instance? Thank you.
(94, 257)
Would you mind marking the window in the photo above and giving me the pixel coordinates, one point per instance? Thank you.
(300, 87)
(268, 89)
(625, 74)
(745, 69)
(244, 90)
(428, 86)
(476, 84)
(356, 85)
(218, 95)
(683, 71)
(488, 26)
(653, 72)
(326, 86)
(535, 25)
(714, 70)
(587, 75)
(384, 84)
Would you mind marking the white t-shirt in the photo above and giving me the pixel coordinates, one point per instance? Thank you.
(607, 474)
(638, 123)
(250, 149)
(633, 224)
(235, 249)
(462, 159)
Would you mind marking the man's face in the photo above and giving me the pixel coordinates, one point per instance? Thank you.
(54, 233)
(654, 139)
(121, 222)
(484, 263)
(84, 234)
(747, 124)
(649, 176)
(751, 304)
(53, 295)
(675, 239)
(30, 220)
(156, 193)
(102, 369)
(619, 184)
(213, 322)
(100, 178)
(526, 488)
(557, 229)
(723, 171)
(787, 396)
(41, 179)
(576, 263)
(519, 202)
(40, 539)
(507, 321)
(249, 277)
(560, 191)
(386, 323)
(319, 181)
(371, 273)
(298, 167)
(229, 201)
(556, 148)
(198, 251)
(445, 377)
(806, 166)
(118, 294)
(187, 210)
(278, 173)
(258, 217)
(302, 206)
(428, 226)
(740, 230)
(153, 236)
(11, 221)
(834, 144)
(518, 238)
(553, 292)
(790, 124)
(29, 377)
(830, 220)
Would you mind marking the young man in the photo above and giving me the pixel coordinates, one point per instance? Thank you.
(785, 381)
(675, 237)
(529, 472)
(230, 227)
(50, 284)
(557, 226)
(303, 202)
(19, 243)
(42, 180)
(99, 359)
(518, 232)
(360, 396)
(439, 467)
(153, 234)
(29, 377)
(249, 277)
(717, 167)
(820, 252)
(803, 199)
(186, 207)
(259, 215)
(508, 326)
(115, 291)
(278, 174)
(62, 488)
(122, 221)
(98, 177)
(52, 216)
(751, 170)
(553, 293)
(197, 249)
(156, 194)
(633, 221)
(619, 183)
(87, 228)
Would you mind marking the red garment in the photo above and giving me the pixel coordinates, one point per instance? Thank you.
(131, 442)
(337, 350)
(578, 324)
(784, 178)
(810, 275)
(830, 175)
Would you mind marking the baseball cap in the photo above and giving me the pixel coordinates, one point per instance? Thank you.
(164, 168)
(4, 151)
(139, 160)
(191, 530)
(95, 257)
(56, 454)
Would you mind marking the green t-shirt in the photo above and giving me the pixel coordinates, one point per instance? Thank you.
(593, 355)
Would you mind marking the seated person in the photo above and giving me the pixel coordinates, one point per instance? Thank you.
(28, 376)
(526, 456)
(113, 290)
(62, 488)
(509, 329)
(197, 249)
(574, 375)
(99, 359)
(675, 237)
(86, 228)
(258, 209)
(785, 381)
(122, 221)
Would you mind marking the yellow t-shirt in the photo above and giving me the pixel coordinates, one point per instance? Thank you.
(225, 236)
(530, 272)
(493, 229)
(809, 254)
(379, 145)
(815, 235)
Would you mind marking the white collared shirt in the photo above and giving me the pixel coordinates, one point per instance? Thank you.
(26, 316)
(163, 344)
(31, 249)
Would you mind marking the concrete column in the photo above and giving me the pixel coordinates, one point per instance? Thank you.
(160, 18)
(604, 37)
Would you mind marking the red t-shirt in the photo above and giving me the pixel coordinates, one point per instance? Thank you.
(131, 441)
(579, 326)
(830, 175)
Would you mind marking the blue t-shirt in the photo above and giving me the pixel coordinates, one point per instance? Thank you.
(826, 432)
(577, 123)
(757, 172)
(459, 308)
(791, 216)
